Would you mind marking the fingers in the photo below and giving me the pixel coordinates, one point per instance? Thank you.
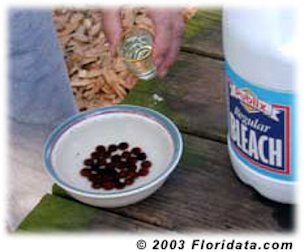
(112, 27)
(169, 29)
(163, 29)
(176, 40)
(131, 81)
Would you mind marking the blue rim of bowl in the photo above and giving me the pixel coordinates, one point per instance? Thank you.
(165, 122)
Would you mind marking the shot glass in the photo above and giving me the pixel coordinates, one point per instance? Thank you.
(136, 50)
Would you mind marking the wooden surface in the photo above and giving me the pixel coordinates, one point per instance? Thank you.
(203, 193)
(193, 94)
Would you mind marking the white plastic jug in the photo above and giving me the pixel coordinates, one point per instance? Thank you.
(260, 89)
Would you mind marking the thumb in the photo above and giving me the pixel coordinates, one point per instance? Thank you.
(112, 27)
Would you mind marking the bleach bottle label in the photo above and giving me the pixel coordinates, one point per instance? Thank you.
(260, 125)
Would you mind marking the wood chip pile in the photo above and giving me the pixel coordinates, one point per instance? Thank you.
(97, 79)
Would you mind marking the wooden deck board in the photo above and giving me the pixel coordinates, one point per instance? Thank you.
(204, 34)
(192, 95)
(55, 213)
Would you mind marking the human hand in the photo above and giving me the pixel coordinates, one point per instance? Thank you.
(169, 29)
(112, 27)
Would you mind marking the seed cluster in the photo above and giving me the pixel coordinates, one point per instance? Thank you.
(115, 166)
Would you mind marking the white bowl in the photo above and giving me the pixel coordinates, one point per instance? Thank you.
(74, 140)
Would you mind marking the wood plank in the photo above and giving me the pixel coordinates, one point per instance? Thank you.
(203, 193)
(54, 213)
(204, 34)
(192, 95)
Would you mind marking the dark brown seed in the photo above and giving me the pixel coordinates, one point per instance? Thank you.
(143, 172)
(123, 146)
(102, 161)
(120, 185)
(93, 177)
(125, 154)
(146, 164)
(131, 160)
(95, 161)
(108, 185)
(102, 172)
(129, 181)
(106, 154)
(88, 162)
(132, 167)
(95, 154)
(123, 174)
(110, 165)
(132, 174)
(136, 151)
(115, 159)
(85, 172)
(142, 156)
(121, 165)
(103, 154)
(96, 185)
(100, 148)
(95, 168)
(111, 172)
(112, 148)
(98, 177)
